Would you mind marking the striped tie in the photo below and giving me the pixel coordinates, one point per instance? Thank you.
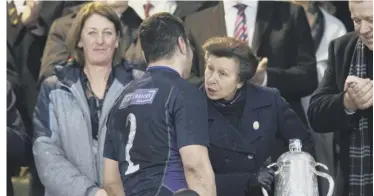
(147, 7)
(241, 32)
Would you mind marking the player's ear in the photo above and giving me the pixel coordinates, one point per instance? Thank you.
(182, 45)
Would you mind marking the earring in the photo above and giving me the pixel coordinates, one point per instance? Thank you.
(117, 45)
(80, 45)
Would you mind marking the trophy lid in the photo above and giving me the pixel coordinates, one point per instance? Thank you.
(295, 145)
(295, 152)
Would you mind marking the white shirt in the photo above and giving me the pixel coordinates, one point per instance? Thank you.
(231, 13)
(250, 12)
(158, 6)
(334, 28)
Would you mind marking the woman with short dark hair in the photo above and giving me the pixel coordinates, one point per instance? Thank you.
(244, 119)
(73, 105)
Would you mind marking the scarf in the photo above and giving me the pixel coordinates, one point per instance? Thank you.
(360, 174)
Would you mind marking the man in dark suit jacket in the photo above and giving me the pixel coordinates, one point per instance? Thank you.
(281, 34)
(343, 102)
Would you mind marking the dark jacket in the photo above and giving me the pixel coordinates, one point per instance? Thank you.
(18, 141)
(282, 34)
(326, 110)
(237, 154)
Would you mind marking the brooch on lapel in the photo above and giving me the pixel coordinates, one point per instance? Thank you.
(256, 125)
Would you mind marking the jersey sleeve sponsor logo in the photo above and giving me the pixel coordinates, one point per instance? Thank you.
(139, 97)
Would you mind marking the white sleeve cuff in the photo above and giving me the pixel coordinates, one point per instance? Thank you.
(348, 112)
(265, 82)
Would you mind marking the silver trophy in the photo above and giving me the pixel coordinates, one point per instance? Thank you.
(296, 173)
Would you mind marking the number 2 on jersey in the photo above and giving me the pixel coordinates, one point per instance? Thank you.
(132, 120)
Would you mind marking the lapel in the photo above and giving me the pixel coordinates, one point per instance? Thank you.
(243, 138)
(131, 22)
(322, 50)
(13, 30)
(123, 78)
(128, 37)
(265, 13)
(69, 77)
(186, 7)
(345, 64)
(217, 23)
(255, 111)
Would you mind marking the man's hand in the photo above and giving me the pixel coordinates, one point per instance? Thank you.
(360, 92)
(101, 192)
(259, 76)
(349, 105)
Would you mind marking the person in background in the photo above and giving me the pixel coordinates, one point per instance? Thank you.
(74, 103)
(324, 28)
(343, 102)
(277, 31)
(145, 8)
(56, 51)
(343, 14)
(244, 119)
(27, 28)
(181, 9)
(157, 136)
(18, 141)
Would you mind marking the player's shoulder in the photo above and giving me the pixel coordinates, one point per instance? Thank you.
(139, 93)
(188, 94)
(188, 89)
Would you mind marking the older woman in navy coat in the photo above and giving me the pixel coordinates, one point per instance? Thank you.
(244, 119)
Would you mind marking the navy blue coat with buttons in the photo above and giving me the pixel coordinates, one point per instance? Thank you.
(236, 153)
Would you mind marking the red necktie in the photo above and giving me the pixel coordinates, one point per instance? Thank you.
(241, 31)
(147, 7)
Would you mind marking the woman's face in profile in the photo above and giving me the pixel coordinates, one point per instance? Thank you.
(98, 40)
(221, 77)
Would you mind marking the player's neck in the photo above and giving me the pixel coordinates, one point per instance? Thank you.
(168, 63)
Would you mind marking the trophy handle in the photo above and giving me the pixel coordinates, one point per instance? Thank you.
(264, 192)
(324, 175)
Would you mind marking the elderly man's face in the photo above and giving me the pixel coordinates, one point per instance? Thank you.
(362, 16)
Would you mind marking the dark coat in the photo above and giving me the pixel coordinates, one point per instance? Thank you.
(236, 154)
(326, 111)
(282, 34)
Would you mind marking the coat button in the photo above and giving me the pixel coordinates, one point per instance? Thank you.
(250, 157)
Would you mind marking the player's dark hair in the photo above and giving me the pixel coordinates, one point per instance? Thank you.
(159, 36)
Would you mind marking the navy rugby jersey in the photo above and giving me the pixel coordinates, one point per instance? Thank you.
(153, 118)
